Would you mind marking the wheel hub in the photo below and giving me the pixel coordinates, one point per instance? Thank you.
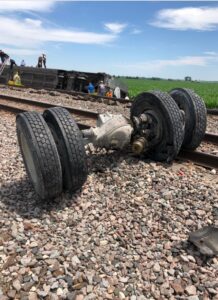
(147, 131)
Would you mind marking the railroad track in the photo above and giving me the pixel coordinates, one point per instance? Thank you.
(109, 101)
(85, 96)
(199, 158)
(106, 100)
(17, 104)
(211, 138)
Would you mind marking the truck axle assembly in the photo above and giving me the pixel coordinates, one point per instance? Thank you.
(160, 124)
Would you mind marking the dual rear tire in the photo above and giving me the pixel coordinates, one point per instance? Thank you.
(181, 121)
(195, 116)
(166, 121)
(39, 154)
(53, 151)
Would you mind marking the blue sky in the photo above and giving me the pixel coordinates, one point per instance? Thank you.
(163, 39)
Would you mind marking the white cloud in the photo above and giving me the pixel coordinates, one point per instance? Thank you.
(21, 52)
(115, 27)
(31, 33)
(34, 32)
(210, 53)
(160, 64)
(32, 5)
(136, 31)
(36, 23)
(187, 18)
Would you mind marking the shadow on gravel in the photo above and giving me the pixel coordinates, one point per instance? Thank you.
(100, 162)
(19, 197)
(192, 251)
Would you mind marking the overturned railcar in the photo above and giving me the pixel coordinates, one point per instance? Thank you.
(39, 78)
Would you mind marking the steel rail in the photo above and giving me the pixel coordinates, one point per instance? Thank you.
(17, 110)
(80, 112)
(199, 158)
(12, 109)
(212, 111)
(211, 138)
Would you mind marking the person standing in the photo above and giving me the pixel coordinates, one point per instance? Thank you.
(39, 62)
(91, 88)
(101, 89)
(22, 64)
(44, 60)
(12, 63)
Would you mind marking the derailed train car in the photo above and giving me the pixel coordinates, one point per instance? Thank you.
(40, 78)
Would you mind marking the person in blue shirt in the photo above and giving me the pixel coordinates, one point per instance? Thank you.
(91, 88)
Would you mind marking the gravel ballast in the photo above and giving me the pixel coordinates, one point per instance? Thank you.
(123, 236)
(58, 98)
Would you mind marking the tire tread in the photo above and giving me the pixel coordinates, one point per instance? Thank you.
(73, 146)
(46, 151)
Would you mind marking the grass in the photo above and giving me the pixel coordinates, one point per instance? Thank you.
(206, 90)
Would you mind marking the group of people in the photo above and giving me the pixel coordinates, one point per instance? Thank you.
(103, 90)
(14, 76)
(100, 90)
(4, 57)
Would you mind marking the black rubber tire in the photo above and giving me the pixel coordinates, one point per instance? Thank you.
(170, 119)
(69, 142)
(40, 154)
(195, 116)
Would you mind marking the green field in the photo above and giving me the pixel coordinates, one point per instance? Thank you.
(208, 91)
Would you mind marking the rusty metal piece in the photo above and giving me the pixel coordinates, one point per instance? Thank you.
(138, 145)
(206, 240)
